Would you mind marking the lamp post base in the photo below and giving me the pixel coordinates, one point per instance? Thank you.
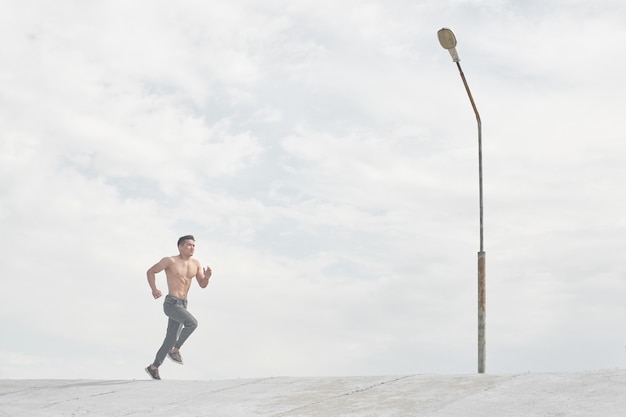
(482, 295)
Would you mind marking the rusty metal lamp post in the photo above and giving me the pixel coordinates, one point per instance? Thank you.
(448, 41)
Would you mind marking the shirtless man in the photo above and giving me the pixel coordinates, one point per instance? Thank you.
(180, 271)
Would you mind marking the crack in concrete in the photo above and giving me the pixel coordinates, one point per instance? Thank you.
(344, 394)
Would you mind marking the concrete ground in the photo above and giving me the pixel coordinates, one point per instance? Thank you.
(594, 393)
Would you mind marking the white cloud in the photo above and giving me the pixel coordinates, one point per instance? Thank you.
(324, 155)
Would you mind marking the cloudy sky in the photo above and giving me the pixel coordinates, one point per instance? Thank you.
(324, 155)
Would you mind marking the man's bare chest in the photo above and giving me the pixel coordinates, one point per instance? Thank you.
(184, 269)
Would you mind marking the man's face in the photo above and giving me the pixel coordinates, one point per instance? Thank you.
(187, 248)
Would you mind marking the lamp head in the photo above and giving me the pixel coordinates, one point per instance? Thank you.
(448, 41)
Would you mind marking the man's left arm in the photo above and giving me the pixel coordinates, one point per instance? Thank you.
(203, 275)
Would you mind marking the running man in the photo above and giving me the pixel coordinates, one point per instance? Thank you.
(179, 271)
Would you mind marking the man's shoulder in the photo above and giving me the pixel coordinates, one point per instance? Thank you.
(195, 262)
(168, 260)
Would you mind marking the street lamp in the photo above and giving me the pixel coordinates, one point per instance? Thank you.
(448, 41)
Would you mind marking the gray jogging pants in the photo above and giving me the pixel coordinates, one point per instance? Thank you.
(179, 326)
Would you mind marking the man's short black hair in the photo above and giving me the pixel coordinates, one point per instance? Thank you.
(186, 237)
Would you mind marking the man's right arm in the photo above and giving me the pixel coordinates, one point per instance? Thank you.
(151, 274)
